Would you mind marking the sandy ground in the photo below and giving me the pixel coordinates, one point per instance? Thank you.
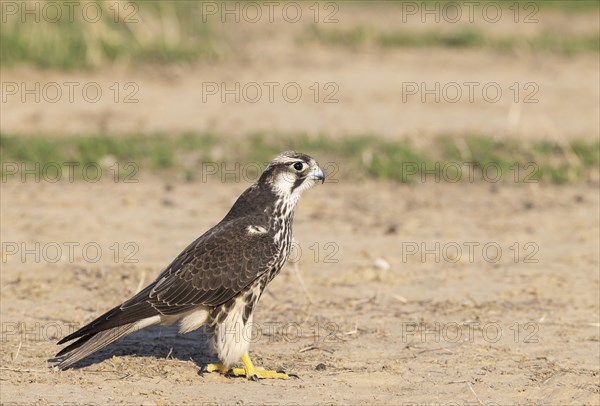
(388, 322)
(408, 302)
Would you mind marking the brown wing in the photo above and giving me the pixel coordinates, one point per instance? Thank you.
(210, 271)
(214, 268)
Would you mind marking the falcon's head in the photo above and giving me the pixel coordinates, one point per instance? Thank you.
(291, 173)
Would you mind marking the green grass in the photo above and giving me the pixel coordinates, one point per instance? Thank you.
(165, 32)
(149, 31)
(460, 38)
(574, 6)
(470, 158)
(154, 151)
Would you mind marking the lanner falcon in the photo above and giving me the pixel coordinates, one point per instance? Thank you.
(218, 279)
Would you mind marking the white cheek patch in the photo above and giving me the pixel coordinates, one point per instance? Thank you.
(256, 230)
(283, 183)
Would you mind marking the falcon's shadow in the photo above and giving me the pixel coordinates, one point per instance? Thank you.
(157, 342)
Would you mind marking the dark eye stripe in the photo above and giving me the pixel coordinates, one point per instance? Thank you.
(296, 184)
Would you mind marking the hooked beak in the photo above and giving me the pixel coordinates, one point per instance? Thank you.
(317, 174)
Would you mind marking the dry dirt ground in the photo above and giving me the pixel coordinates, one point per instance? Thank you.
(381, 323)
(407, 303)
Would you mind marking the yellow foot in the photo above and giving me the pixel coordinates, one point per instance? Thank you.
(220, 368)
(249, 370)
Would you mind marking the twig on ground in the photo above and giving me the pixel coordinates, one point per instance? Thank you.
(315, 347)
(18, 350)
(471, 389)
(351, 332)
(297, 273)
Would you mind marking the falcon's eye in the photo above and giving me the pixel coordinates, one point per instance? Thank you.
(298, 166)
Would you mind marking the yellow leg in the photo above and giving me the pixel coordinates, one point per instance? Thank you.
(249, 370)
(220, 368)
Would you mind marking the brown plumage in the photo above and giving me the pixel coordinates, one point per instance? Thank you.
(218, 279)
